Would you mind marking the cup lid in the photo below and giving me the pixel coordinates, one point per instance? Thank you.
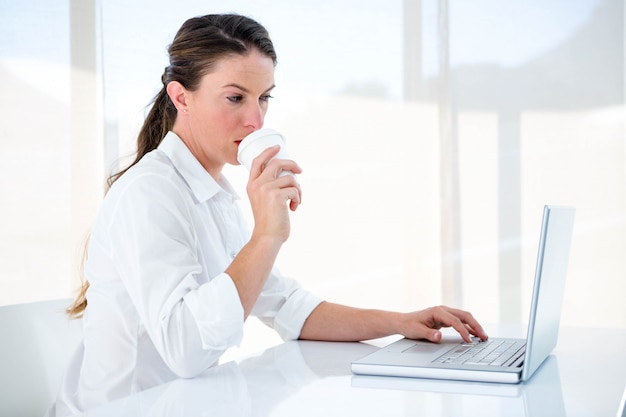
(248, 140)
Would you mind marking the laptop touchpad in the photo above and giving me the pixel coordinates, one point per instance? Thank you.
(424, 347)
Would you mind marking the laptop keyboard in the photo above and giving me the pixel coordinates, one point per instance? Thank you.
(495, 352)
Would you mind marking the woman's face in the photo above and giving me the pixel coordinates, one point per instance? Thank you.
(230, 103)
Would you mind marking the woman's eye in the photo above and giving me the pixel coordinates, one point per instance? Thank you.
(266, 97)
(235, 99)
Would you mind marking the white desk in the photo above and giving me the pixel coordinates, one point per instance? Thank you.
(314, 379)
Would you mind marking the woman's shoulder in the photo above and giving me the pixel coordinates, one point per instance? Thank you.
(153, 170)
(152, 180)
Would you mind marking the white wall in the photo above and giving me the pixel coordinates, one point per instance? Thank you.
(431, 134)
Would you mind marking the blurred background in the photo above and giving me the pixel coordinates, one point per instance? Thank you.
(431, 134)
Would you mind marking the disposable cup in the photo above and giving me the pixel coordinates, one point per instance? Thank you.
(256, 142)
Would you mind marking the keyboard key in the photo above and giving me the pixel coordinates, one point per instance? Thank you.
(491, 352)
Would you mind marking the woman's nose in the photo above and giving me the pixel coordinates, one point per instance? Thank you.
(254, 117)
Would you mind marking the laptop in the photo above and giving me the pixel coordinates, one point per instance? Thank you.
(500, 360)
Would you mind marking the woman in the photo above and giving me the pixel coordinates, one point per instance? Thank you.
(173, 271)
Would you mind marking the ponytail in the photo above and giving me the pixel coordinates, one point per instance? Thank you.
(159, 121)
(77, 309)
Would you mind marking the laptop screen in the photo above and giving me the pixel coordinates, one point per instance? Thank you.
(547, 298)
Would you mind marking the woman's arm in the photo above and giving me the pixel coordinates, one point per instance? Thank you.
(335, 322)
(271, 197)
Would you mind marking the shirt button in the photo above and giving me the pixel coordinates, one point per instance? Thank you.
(232, 255)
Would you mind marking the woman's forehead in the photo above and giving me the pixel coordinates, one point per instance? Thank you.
(250, 71)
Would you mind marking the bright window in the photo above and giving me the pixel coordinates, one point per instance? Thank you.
(431, 134)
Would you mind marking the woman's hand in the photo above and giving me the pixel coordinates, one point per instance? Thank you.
(425, 324)
(270, 194)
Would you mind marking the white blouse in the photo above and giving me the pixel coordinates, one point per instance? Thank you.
(160, 304)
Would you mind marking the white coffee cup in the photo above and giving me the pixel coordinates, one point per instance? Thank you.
(258, 141)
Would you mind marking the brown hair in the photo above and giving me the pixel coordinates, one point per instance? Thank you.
(198, 45)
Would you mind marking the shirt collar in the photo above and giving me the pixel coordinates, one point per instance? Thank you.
(201, 183)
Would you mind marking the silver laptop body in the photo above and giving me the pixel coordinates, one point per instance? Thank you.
(446, 360)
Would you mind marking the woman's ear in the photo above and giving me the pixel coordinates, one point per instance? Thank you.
(177, 94)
